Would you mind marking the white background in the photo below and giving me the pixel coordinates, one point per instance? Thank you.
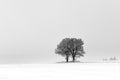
(31, 29)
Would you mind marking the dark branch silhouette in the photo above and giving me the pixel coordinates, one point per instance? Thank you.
(70, 47)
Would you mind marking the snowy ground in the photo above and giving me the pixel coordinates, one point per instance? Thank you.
(60, 71)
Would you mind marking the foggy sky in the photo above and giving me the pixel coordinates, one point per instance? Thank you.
(31, 29)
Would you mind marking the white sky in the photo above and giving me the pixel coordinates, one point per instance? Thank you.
(31, 29)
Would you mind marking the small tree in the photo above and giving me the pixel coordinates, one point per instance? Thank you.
(70, 47)
(76, 48)
(62, 49)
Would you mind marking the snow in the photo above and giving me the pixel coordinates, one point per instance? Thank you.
(60, 71)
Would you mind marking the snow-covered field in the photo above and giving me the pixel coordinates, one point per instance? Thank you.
(60, 71)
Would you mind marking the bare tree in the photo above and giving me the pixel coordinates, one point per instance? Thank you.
(70, 47)
(62, 49)
(75, 46)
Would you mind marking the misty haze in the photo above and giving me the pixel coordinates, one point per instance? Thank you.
(31, 34)
(30, 30)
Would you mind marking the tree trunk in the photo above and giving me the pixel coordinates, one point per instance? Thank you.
(73, 58)
(67, 58)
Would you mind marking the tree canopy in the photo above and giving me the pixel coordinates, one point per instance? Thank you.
(70, 47)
